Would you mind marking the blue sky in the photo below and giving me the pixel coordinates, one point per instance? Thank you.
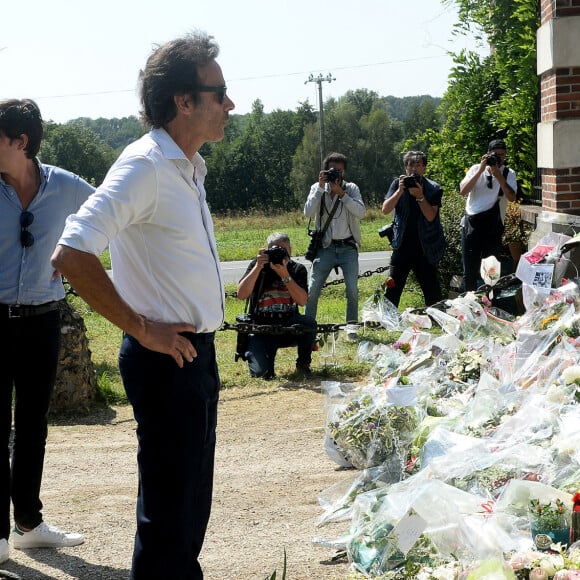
(78, 58)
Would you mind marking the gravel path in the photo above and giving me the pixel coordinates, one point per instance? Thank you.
(270, 467)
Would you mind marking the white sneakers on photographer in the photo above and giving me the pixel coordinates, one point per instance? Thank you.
(4, 550)
(45, 536)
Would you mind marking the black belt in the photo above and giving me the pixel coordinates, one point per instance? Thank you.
(24, 310)
(345, 242)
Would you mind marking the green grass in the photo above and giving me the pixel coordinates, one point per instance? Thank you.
(239, 238)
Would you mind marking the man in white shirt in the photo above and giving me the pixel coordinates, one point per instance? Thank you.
(167, 296)
(488, 186)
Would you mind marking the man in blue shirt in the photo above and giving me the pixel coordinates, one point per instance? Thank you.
(35, 200)
(418, 240)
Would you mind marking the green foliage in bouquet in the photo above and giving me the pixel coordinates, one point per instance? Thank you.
(490, 480)
(552, 515)
(376, 553)
(368, 434)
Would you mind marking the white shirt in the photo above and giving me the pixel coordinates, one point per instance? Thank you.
(345, 222)
(153, 213)
(481, 197)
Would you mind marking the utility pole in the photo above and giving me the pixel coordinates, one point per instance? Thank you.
(319, 80)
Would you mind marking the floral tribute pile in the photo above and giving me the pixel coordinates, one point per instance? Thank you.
(462, 434)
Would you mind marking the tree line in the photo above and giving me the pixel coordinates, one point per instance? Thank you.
(268, 161)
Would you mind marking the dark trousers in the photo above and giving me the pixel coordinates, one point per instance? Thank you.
(176, 414)
(477, 244)
(262, 348)
(401, 265)
(28, 363)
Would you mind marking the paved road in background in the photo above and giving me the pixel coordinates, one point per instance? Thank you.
(233, 271)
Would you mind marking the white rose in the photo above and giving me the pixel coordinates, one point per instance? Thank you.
(571, 374)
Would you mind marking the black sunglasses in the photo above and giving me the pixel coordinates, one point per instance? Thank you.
(26, 237)
(489, 180)
(220, 91)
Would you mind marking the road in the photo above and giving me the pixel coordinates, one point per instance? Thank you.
(233, 271)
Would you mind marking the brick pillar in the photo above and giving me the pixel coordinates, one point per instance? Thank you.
(559, 128)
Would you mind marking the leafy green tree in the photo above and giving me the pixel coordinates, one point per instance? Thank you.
(78, 149)
(252, 170)
(487, 97)
(493, 96)
(116, 132)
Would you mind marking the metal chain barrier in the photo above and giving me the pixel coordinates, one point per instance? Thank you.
(278, 329)
(336, 282)
(298, 329)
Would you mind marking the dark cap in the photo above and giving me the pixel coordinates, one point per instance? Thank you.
(496, 144)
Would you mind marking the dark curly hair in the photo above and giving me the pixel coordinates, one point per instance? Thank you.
(22, 117)
(171, 70)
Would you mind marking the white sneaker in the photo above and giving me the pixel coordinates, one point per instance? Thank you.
(45, 536)
(4, 550)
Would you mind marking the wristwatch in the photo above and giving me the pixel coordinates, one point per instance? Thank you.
(420, 199)
(285, 280)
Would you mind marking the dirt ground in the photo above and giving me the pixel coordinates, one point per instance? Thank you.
(270, 467)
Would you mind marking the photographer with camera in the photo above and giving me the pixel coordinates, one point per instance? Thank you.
(275, 286)
(332, 196)
(417, 240)
(488, 185)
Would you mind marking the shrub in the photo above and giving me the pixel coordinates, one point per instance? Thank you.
(451, 214)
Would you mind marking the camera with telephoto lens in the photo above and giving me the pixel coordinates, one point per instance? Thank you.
(493, 159)
(411, 180)
(332, 175)
(276, 254)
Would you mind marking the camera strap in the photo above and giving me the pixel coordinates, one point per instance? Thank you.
(330, 215)
(505, 174)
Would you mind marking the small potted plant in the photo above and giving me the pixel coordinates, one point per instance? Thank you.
(549, 523)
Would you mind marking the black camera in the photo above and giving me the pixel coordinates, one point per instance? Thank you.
(387, 232)
(276, 254)
(411, 180)
(333, 174)
(493, 159)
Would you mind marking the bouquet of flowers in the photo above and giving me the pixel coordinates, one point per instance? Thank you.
(467, 365)
(368, 431)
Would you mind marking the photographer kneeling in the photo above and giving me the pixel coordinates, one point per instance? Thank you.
(276, 286)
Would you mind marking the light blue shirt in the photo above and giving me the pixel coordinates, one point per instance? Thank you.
(25, 273)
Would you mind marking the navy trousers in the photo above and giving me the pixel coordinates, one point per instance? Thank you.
(176, 414)
(28, 363)
(402, 263)
(262, 348)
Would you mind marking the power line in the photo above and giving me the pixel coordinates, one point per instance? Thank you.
(262, 77)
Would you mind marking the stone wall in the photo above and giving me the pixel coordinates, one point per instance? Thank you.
(76, 381)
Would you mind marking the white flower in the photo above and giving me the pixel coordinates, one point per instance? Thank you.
(571, 374)
(446, 572)
(551, 563)
(556, 394)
